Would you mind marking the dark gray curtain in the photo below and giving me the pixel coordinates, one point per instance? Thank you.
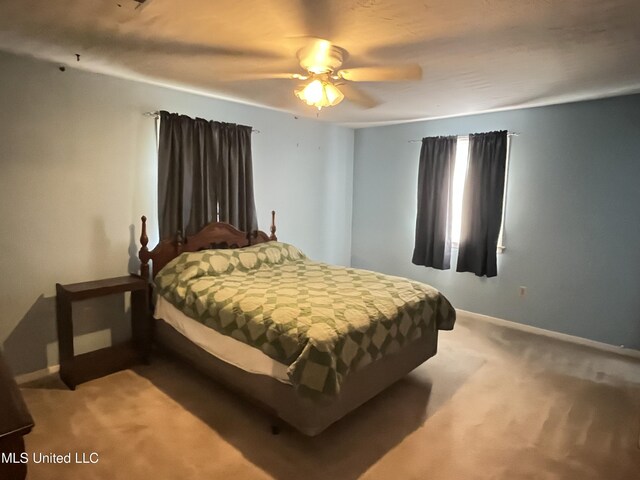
(482, 204)
(202, 164)
(435, 191)
(235, 180)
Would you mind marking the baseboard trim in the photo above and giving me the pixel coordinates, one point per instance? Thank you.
(37, 375)
(627, 352)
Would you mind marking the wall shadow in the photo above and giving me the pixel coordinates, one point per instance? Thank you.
(97, 322)
(25, 349)
(134, 263)
(100, 242)
(32, 345)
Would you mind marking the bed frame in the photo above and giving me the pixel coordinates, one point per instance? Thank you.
(213, 235)
(277, 398)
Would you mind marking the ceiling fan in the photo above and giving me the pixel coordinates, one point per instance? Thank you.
(325, 83)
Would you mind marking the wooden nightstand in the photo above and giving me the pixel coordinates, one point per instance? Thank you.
(75, 369)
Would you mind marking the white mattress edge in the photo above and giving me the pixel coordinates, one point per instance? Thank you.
(221, 346)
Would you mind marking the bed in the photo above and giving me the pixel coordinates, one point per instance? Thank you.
(307, 341)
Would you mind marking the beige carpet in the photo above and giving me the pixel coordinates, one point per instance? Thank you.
(495, 403)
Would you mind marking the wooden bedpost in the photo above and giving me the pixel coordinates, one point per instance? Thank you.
(273, 226)
(143, 253)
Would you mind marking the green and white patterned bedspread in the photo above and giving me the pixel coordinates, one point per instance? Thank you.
(322, 320)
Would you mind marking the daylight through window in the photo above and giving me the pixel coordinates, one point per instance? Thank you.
(459, 176)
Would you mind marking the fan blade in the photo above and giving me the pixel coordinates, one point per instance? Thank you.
(87, 39)
(242, 76)
(382, 74)
(357, 96)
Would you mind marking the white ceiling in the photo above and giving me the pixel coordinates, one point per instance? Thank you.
(477, 55)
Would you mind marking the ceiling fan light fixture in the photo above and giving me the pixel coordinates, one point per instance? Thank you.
(320, 93)
(333, 94)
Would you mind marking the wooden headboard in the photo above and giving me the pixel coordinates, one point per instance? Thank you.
(213, 235)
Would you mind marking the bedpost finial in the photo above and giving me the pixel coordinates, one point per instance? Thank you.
(144, 239)
(143, 253)
(273, 226)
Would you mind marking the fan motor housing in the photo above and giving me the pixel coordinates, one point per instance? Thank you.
(322, 57)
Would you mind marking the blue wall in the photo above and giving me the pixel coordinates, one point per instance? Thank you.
(572, 226)
(78, 163)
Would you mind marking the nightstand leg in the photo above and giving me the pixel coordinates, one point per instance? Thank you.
(141, 323)
(64, 325)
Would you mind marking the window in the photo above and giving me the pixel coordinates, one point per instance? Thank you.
(459, 176)
(472, 221)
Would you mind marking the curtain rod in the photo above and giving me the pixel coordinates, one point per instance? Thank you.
(509, 134)
(156, 115)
